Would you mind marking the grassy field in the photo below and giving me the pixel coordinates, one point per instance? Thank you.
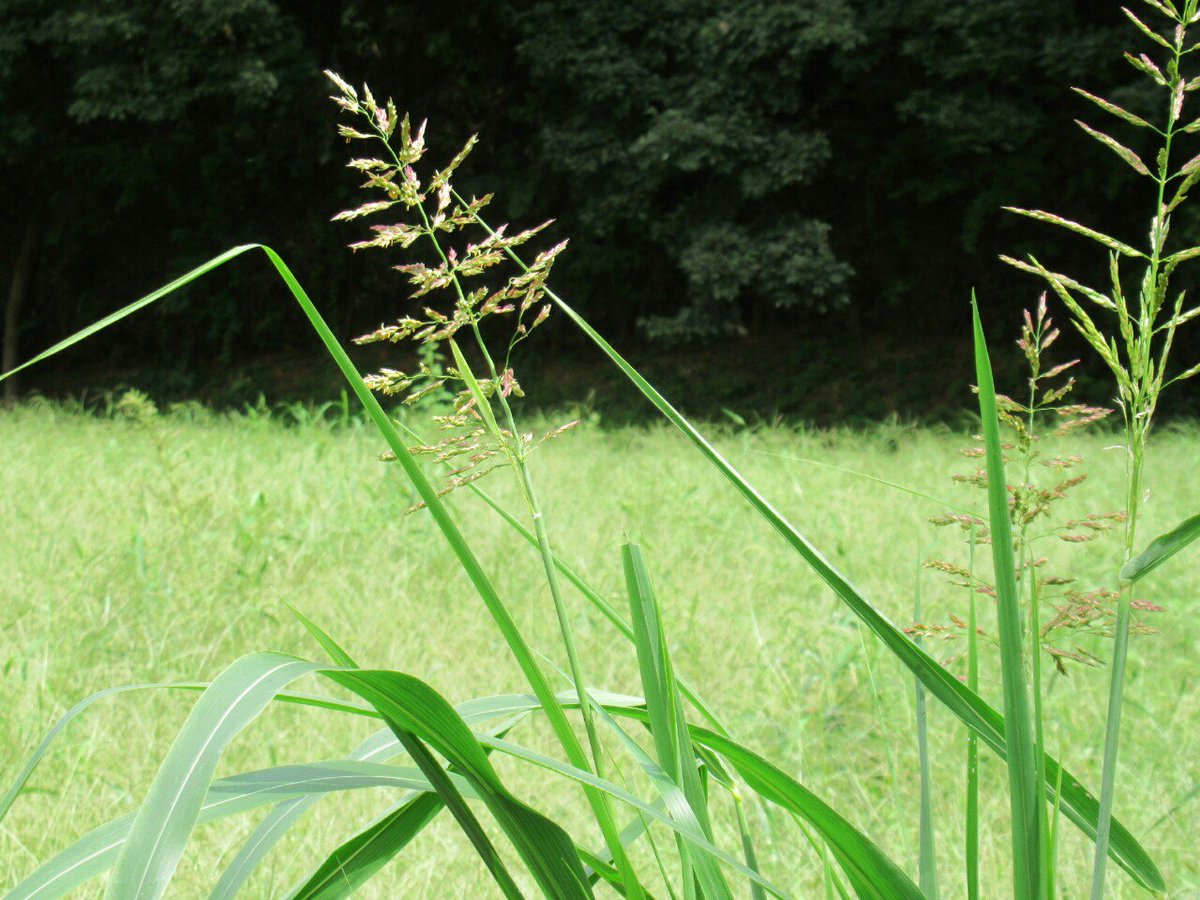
(163, 549)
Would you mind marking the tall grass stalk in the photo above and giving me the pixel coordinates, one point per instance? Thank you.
(1138, 348)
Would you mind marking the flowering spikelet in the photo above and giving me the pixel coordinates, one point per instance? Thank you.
(432, 210)
(1032, 503)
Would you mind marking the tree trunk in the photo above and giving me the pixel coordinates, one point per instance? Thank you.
(18, 292)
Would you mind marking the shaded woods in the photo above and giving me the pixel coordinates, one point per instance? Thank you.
(778, 182)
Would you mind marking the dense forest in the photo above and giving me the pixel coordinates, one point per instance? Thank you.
(783, 205)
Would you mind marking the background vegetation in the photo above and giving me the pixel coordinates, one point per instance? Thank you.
(774, 181)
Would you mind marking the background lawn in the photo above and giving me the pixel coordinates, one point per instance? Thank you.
(163, 549)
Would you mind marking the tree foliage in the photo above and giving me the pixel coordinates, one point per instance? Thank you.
(722, 168)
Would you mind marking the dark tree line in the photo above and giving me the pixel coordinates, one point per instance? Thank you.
(723, 167)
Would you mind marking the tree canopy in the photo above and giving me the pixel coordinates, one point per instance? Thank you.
(723, 168)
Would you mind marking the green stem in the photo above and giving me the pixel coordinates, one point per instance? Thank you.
(1112, 728)
(972, 829)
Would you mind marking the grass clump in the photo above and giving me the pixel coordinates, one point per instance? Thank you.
(667, 780)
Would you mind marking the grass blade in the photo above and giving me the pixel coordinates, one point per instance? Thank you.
(667, 724)
(432, 770)
(354, 863)
(972, 812)
(1161, 549)
(97, 851)
(410, 705)
(427, 492)
(165, 820)
(1027, 816)
(1077, 802)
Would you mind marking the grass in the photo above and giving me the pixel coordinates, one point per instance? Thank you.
(164, 549)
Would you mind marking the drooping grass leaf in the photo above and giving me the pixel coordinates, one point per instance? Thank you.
(165, 819)
(415, 707)
(433, 771)
(1161, 549)
(428, 493)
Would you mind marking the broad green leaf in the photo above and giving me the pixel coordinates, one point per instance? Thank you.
(431, 768)
(412, 706)
(1161, 549)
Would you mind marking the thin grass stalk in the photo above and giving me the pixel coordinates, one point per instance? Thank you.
(888, 753)
(927, 852)
(1137, 413)
(972, 825)
(1035, 650)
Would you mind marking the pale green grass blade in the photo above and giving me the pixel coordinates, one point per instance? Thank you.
(283, 816)
(1027, 815)
(674, 803)
(165, 820)
(689, 832)
(97, 851)
(867, 476)
(428, 493)
(668, 726)
(40, 751)
(1161, 549)
(31, 763)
